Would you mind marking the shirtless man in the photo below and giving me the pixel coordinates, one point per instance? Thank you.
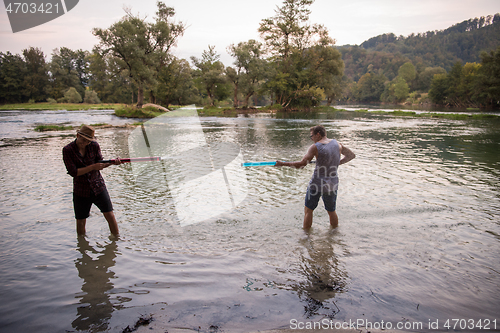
(324, 182)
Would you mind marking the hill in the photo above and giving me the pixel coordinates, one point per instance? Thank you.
(385, 54)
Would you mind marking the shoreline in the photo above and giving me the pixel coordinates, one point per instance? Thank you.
(234, 112)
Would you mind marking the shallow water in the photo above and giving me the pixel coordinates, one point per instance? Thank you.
(418, 236)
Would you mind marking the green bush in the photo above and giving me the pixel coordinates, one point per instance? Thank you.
(51, 101)
(91, 97)
(72, 96)
(277, 107)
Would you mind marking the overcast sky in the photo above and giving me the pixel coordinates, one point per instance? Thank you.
(223, 22)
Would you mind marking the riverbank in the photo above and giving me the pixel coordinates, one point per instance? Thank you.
(149, 112)
(48, 128)
(45, 106)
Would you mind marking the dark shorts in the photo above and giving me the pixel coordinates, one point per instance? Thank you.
(82, 205)
(329, 199)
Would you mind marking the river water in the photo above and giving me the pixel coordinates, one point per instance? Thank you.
(417, 243)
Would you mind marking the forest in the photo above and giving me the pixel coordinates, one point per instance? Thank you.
(295, 65)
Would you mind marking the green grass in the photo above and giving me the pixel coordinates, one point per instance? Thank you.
(122, 110)
(458, 116)
(233, 112)
(133, 112)
(216, 111)
(58, 106)
(46, 128)
(401, 113)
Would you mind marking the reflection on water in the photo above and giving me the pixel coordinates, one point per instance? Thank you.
(93, 267)
(418, 235)
(324, 275)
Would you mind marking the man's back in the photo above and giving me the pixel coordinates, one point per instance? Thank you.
(327, 163)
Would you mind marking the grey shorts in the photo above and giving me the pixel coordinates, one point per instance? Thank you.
(329, 199)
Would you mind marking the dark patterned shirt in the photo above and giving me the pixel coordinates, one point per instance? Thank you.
(91, 182)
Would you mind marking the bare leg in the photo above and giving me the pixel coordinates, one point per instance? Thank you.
(308, 218)
(80, 226)
(113, 225)
(334, 219)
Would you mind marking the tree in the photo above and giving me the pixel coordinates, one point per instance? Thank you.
(401, 89)
(63, 72)
(249, 69)
(176, 83)
(396, 91)
(408, 73)
(370, 87)
(288, 31)
(288, 37)
(489, 77)
(424, 78)
(234, 77)
(12, 75)
(471, 84)
(141, 47)
(439, 88)
(36, 81)
(99, 75)
(325, 68)
(210, 72)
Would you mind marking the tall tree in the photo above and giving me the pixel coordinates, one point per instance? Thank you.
(98, 74)
(142, 47)
(288, 30)
(324, 68)
(176, 83)
(234, 76)
(12, 73)
(438, 90)
(489, 76)
(456, 90)
(63, 72)
(210, 72)
(249, 69)
(36, 81)
(108, 80)
(288, 35)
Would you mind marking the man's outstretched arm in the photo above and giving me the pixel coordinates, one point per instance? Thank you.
(311, 153)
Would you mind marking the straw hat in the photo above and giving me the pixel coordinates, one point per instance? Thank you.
(87, 132)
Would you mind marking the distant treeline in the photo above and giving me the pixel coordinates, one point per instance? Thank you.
(393, 69)
(459, 66)
(296, 66)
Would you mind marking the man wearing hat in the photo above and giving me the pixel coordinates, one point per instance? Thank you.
(81, 158)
